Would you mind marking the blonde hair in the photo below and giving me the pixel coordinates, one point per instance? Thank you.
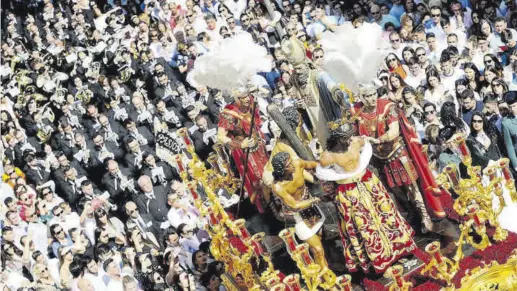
(38, 268)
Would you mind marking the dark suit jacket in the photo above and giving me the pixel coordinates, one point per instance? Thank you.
(169, 172)
(116, 193)
(36, 175)
(69, 193)
(146, 133)
(129, 160)
(112, 148)
(157, 208)
(202, 150)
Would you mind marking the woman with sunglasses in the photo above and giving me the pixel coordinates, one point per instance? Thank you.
(483, 141)
(492, 60)
(475, 28)
(43, 278)
(395, 66)
(60, 238)
(499, 88)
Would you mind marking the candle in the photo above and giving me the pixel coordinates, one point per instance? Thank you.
(192, 187)
(476, 219)
(344, 282)
(257, 248)
(293, 281)
(179, 163)
(240, 223)
(213, 219)
(304, 252)
(491, 173)
(464, 150)
(257, 242)
(473, 212)
(438, 257)
(504, 164)
(452, 174)
(288, 238)
(184, 134)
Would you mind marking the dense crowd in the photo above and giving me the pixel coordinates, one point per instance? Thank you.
(86, 203)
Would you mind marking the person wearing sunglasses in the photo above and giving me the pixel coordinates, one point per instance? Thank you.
(60, 238)
(395, 66)
(381, 19)
(43, 278)
(483, 141)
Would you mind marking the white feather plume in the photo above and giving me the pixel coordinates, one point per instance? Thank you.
(230, 64)
(353, 55)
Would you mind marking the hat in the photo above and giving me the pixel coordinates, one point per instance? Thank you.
(510, 97)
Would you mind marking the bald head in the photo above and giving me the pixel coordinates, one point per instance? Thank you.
(132, 210)
(145, 184)
(112, 166)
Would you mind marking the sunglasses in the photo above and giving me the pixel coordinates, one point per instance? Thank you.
(375, 13)
(420, 55)
(370, 95)
(477, 121)
(489, 61)
(429, 112)
(395, 40)
(436, 15)
(391, 60)
(58, 214)
(496, 84)
(59, 231)
(245, 20)
(318, 57)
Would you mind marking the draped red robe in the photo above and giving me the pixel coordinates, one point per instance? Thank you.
(238, 125)
(428, 186)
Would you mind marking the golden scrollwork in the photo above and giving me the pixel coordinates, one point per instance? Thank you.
(492, 276)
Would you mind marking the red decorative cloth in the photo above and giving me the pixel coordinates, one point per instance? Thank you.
(373, 232)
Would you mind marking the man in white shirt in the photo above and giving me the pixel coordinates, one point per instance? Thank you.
(212, 28)
(181, 211)
(499, 26)
(396, 44)
(449, 74)
(416, 76)
(38, 229)
(112, 279)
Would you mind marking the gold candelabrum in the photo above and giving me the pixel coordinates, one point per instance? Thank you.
(475, 204)
(440, 267)
(475, 197)
(314, 276)
(231, 241)
(399, 284)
